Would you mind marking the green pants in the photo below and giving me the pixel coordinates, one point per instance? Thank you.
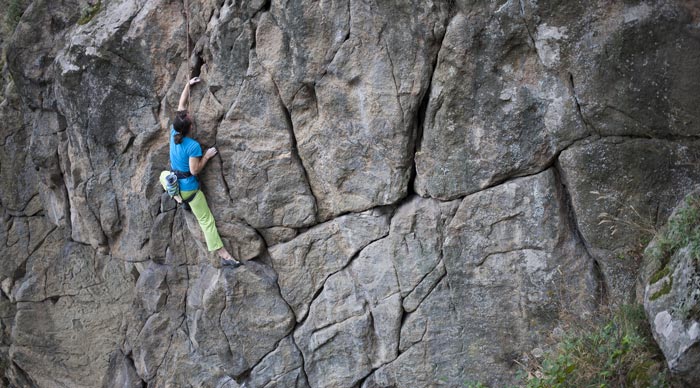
(200, 209)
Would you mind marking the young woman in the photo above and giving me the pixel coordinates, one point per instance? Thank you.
(187, 161)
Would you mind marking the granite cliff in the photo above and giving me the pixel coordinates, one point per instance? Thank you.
(416, 186)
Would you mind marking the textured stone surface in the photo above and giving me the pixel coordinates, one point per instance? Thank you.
(633, 78)
(353, 325)
(495, 110)
(635, 184)
(513, 264)
(69, 316)
(238, 315)
(368, 174)
(121, 373)
(415, 246)
(352, 75)
(431, 347)
(284, 367)
(672, 294)
(304, 263)
(267, 179)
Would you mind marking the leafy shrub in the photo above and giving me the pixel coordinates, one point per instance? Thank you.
(615, 351)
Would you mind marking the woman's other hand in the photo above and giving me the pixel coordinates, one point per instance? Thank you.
(211, 152)
(194, 80)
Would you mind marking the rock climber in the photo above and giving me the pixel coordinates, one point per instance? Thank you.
(186, 161)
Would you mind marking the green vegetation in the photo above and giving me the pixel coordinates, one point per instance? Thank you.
(665, 289)
(660, 274)
(15, 9)
(89, 12)
(616, 351)
(683, 230)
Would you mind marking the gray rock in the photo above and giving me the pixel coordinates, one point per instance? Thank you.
(66, 337)
(278, 235)
(633, 79)
(632, 189)
(672, 291)
(160, 307)
(496, 109)
(284, 367)
(121, 373)
(304, 263)
(431, 347)
(183, 366)
(108, 103)
(266, 179)
(226, 309)
(353, 325)
(513, 266)
(322, 110)
(352, 81)
(415, 246)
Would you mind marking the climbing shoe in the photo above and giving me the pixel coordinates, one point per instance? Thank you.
(233, 263)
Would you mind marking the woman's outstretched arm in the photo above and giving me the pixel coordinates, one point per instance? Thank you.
(182, 104)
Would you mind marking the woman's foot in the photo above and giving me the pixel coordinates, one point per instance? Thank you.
(227, 259)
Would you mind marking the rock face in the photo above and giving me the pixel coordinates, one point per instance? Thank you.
(672, 290)
(629, 202)
(420, 189)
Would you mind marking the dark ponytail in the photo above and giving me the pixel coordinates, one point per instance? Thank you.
(182, 125)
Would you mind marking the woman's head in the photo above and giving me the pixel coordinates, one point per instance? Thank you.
(182, 125)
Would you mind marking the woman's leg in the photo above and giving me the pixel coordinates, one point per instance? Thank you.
(200, 209)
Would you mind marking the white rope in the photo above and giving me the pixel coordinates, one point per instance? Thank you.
(187, 53)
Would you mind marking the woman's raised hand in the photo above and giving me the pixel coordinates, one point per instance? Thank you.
(194, 80)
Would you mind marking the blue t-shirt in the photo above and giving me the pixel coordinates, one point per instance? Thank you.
(180, 155)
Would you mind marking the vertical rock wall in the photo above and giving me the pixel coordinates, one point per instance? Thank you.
(417, 186)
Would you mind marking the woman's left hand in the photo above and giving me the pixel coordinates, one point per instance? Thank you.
(194, 80)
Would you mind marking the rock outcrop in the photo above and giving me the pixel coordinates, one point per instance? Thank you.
(672, 289)
(420, 190)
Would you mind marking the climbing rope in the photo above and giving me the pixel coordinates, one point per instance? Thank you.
(187, 53)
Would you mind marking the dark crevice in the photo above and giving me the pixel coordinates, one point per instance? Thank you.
(135, 273)
(303, 360)
(293, 142)
(404, 316)
(421, 114)
(22, 376)
(527, 27)
(573, 226)
(432, 287)
(170, 344)
(130, 360)
(40, 243)
(572, 87)
(318, 292)
(229, 353)
(254, 39)
(199, 62)
(129, 144)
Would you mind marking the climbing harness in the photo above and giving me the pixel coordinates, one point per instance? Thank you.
(172, 186)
